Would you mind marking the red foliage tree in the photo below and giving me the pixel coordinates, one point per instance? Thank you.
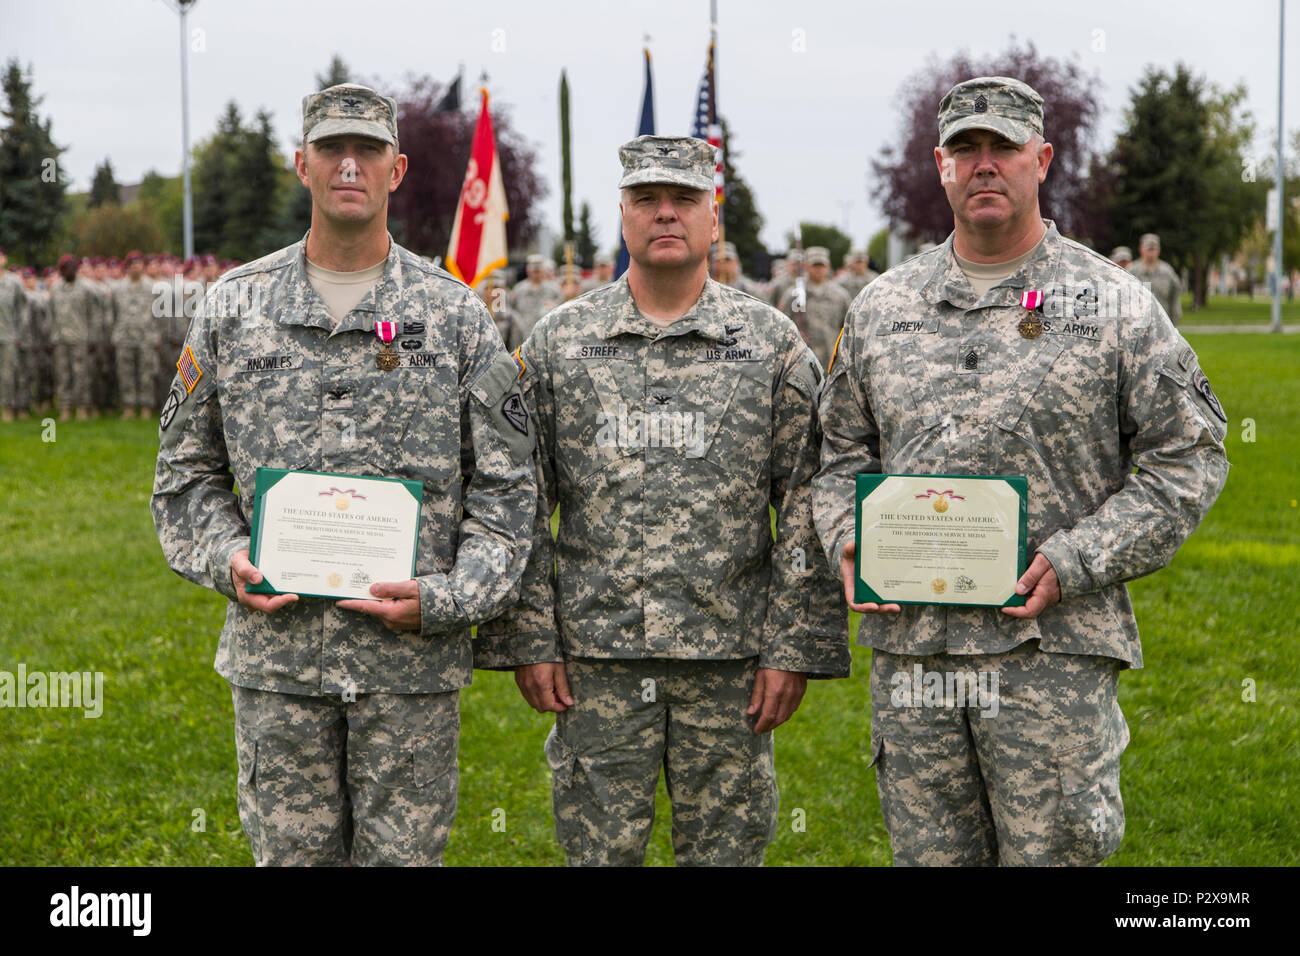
(438, 144)
(907, 184)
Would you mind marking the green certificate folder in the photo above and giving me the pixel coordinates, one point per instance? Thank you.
(940, 539)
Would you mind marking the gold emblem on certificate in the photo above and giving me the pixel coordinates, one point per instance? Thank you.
(940, 539)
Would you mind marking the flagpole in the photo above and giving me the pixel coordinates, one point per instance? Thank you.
(713, 105)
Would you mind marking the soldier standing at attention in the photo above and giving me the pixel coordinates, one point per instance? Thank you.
(604, 272)
(951, 365)
(13, 332)
(530, 299)
(1122, 256)
(346, 713)
(136, 338)
(824, 305)
(74, 315)
(1159, 277)
(663, 626)
(860, 273)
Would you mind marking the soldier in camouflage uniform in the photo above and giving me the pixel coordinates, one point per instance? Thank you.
(1159, 276)
(785, 280)
(860, 273)
(1122, 256)
(13, 328)
(727, 271)
(136, 338)
(37, 353)
(530, 299)
(820, 313)
(103, 386)
(74, 314)
(346, 718)
(1101, 404)
(663, 626)
(604, 272)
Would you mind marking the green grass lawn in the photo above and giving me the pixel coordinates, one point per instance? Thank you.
(1231, 310)
(1208, 778)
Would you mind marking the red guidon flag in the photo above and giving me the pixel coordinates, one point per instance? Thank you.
(478, 237)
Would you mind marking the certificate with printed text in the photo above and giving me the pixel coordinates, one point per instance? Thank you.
(941, 539)
(332, 536)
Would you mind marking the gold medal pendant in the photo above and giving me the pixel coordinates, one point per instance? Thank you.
(388, 359)
(1031, 327)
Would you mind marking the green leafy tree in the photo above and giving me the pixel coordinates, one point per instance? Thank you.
(112, 230)
(820, 234)
(588, 241)
(32, 184)
(740, 216)
(238, 189)
(878, 249)
(103, 187)
(165, 196)
(336, 73)
(1183, 170)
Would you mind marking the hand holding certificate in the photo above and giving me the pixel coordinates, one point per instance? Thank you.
(333, 536)
(940, 539)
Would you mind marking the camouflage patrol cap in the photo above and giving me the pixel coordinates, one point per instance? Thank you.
(818, 255)
(349, 109)
(603, 259)
(1149, 239)
(535, 259)
(1121, 253)
(997, 103)
(676, 160)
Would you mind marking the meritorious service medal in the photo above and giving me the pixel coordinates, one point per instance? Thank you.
(388, 359)
(1031, 326)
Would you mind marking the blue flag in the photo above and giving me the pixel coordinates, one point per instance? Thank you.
(646, 128)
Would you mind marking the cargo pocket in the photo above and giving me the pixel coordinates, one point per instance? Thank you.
(1090, 816)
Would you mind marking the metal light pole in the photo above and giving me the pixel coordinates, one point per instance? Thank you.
(182, 7)
(1276, 324)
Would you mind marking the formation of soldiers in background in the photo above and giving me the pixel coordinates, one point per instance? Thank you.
(89, 335)
(94, 335)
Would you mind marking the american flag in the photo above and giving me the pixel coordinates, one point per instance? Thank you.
(706, 121)
(189, 369)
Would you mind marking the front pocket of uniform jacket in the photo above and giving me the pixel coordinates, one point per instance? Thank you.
(271, 419)
(732, 420)
(416, 427)
(599, 425)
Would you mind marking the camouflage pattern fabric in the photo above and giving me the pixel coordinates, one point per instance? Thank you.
(1164, 284)
(663, 450)
(853, 284)
(674, 160)
(37, 351)
(1004, 105)
(529, 302)
(322, 781)
(283, 385)
(821, 318)
(633, 718)
(928, 380)
(137, 336)
(349, 109)
(990, 759)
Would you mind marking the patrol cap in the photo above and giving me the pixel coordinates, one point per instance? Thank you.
(818, 256)
(857, 253)
(998, 103)
(729, 251)
(794, 255)
(1148, 239)
(349, 108)
(603, 259)
(1121, 252)
(675, 160)
(536, 259)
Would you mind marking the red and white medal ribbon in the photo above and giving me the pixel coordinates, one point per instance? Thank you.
(385, 330)
(1031, 300)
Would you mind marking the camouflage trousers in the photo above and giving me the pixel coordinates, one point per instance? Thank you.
(10, 377)
(629, 719)
(137, 372)
(72, 374)
(323, 781)
(1008, 759)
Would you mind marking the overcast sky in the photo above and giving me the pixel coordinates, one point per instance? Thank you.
(809, 88)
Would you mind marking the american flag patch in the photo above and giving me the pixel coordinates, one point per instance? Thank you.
(189, 369)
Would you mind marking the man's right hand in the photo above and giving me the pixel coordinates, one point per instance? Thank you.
(846, 571)
(545, 686)
(242, 572)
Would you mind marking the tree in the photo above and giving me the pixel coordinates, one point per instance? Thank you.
(878, 249)
(1180, 165)
(112, 230)
(438, 144)
(103, 187)
(239, 190)
(164, 196)
(819, 234)
(740, 214)
(32, 184)
(588, 241)
(908, 189)
(336, 73)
